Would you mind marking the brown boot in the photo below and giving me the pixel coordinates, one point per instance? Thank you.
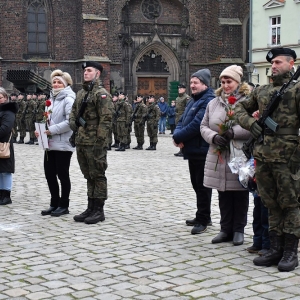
(81, 217)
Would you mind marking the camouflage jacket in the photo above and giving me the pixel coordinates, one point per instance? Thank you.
(123, 112)
(22, 106)
(30, 109)
(181, 102)
(275, 147)
(140, 112)
(153, 113)
(40, 110)
(97, 114)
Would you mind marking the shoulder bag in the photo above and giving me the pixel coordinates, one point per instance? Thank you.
(5, 149)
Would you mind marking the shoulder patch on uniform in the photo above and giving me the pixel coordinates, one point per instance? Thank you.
(103, 96)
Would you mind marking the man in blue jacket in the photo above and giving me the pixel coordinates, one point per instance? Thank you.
(163, 106)
(187, 136)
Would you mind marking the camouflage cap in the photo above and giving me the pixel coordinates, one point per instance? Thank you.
(280, 51)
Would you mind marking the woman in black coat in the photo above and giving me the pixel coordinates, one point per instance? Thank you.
(8, 112)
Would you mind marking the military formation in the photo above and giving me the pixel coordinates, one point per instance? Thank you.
(31, 110)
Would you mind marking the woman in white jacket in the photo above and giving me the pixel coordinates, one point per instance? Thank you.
(233, 198)
(58, 157)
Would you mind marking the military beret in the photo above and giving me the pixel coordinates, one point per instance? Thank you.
(181, 86)
(93, 64)
(280, 51)
(116, 94)
(151, 96)
(13, 94)
(122, 93)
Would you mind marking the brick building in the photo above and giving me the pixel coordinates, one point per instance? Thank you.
(142, 44)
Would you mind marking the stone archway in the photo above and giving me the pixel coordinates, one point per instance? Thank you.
(169, 58)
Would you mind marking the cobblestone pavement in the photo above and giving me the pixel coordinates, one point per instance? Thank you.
(143, 250)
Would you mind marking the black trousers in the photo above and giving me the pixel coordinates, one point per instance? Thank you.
(172, 127)
(56, 165)
(233, 208)
(203, 193)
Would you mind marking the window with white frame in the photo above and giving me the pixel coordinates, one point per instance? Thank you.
(275, 26)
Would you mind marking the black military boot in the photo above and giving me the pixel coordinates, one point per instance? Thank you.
(14, 140)
(5, 199)
(81, 217)
(150, 147)
(20, 141)
(127, 146)
(153, 146)
(138, 147)
(98, 212)
(289, 260)
(274, 254)
(121, 148)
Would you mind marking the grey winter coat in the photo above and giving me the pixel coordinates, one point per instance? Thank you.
(222, 178)
(61, 106)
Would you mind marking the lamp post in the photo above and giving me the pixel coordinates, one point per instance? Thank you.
(250, 68)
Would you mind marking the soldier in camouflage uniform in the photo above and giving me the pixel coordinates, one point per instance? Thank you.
(123, 121)
(13, 98)
(152, 117)
(40, 109)
(91, 141)
(277, 160)
(181, 102)
(29, 118)
(20, 117)
(140, 112)
(127, 146)
(115, 100)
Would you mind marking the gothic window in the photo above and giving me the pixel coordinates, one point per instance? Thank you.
(37, 27)
(151, 9)
(152, 62)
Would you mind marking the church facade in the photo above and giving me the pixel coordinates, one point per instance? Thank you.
(143, 45)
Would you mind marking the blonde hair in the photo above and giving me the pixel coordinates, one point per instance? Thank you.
(4, 94)
(64, 75)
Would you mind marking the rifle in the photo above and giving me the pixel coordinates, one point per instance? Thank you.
(265, 120)
(134, 114)
(79, 119)
(117, 113)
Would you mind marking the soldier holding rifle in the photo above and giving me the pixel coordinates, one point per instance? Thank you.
(277, 153)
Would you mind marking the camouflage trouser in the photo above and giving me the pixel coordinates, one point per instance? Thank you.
(21, 127)
(15, 129)
(109, 137)
(128, 134)
(93, 165)
(139, 129)
(280, 194)
(30, 127)
(122, 131)
(114, 130)
(152, 130)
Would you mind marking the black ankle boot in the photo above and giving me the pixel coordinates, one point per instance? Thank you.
(20, 141)
(48, 211)
(81, 217)
(5, 199)
(150, 147)
(289, 260)
(97, 214)
(274, 254)
(121, 148)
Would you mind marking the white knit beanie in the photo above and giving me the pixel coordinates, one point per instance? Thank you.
(235, 72)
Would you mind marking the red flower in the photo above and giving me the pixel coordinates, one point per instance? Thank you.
(231, 100)
(48, 103)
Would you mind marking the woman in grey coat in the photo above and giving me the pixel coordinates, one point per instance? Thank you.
(233, 198)
(57, 158)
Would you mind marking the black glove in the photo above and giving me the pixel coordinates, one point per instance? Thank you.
(219, 140)
(255, 130)
(228, 135)
(77, 123)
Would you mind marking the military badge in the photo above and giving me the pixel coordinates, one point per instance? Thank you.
(103, 96)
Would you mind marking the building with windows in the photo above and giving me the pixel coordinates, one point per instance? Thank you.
(144, 45)
(274, 23)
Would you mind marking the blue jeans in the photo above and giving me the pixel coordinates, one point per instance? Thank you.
(162, 124)
(5, 181)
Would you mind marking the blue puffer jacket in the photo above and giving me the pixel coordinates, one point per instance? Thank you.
(188, 128)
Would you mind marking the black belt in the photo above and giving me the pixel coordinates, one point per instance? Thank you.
(282, 131)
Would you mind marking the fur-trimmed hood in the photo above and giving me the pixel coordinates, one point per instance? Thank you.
(243, 90)
(11, 106)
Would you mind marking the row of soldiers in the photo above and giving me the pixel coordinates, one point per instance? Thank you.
(31, 110)
(125, 114)
(139, 114)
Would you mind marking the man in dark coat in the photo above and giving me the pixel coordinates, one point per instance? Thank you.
(187, 137)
